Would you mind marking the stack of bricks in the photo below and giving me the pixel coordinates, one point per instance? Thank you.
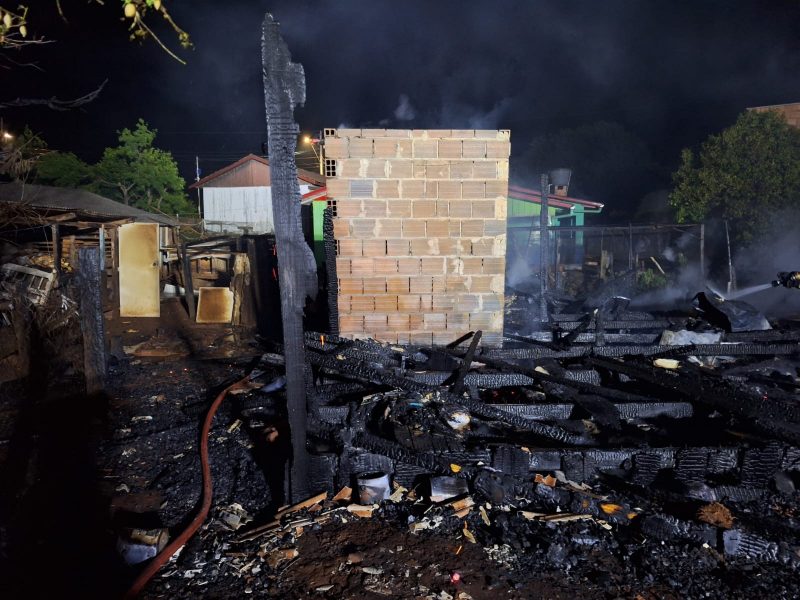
(420, 229)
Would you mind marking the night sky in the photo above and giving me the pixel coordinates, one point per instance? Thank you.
(668, 72)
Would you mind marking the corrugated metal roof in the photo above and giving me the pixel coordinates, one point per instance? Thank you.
(302, 174)
(81, 202)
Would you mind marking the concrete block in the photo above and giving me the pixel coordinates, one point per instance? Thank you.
(388, 228)
(400, 169)
(387, 188)
(472, 265)
(473, 189)
(408, 266)
(425, 148)
(463, 133)
(398, 208)
(374, 168)
(467, 303)
(472, 228)
(432, 266)
(494, 149)
(483, 209)
(419, 168)
(408, 303)
(384, 266)
(397, 247)
(434, 133)
(491, 302)
(348, 285)
(460, 209)
(449, 190)
(454, 228)
(413, 228)
(483, 247)
(348, 247)
(374, 248)
(362, 228)
(348, 167)
(361, 147)
(372, 133)
(450, 148)
(360, 304)
(423, 209)
(398, 285)
(374, 285)
(437, 228)
(386, 148)
(432, 189)
(346, 132)
(336, 148)
(442, 208)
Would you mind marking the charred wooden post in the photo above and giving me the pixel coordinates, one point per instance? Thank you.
(544, 246)
(91, 309)
(188, 287)
(284, 88)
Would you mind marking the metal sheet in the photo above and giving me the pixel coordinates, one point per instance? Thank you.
(139, 264)
(215, 305)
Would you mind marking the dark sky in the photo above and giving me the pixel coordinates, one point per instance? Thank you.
(669, 72)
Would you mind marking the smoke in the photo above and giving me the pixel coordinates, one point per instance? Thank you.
(404, 111)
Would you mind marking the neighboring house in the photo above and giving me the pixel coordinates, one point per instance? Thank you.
(238, 198)
(790, 112)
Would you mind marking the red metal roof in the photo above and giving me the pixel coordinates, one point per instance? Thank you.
(302, 174)
(531, 195)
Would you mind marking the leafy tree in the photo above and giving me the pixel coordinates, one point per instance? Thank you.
(744, 174)
(609, 163)
(62, 169)
(19, 157)
(136, 173)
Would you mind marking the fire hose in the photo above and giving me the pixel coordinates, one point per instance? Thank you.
(147, 574)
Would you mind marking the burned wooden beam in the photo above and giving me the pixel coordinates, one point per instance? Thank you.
(91, 311)
(284, 88)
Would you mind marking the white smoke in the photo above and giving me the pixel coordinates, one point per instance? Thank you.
(405, 111)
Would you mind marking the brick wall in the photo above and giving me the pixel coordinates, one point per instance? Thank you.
(420, 224)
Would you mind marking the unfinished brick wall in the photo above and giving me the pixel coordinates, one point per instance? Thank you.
(420, 224)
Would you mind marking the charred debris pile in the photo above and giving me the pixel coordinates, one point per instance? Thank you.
(623, 452)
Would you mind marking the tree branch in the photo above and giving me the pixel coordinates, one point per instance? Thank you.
(55, 103)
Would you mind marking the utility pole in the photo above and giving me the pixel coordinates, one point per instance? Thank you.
(197, 178)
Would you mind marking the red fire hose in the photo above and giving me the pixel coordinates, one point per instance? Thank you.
(159, 561)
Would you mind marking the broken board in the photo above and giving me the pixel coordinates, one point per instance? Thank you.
(215, 305)
(139, 263)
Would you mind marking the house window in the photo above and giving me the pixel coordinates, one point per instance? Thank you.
(330, 167)
(330, 132)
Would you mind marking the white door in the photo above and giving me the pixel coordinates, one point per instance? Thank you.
(139, 265)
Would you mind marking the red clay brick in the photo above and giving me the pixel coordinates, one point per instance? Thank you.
(472, 265)
(474, 149)
(450, 149)
(413, 228)
(421, 285)
(449, 190)
(422, 209)
(484, 169)
(437, 227)
(374, 248)
(496, 189)
(409, 303)
(494, 265)
(456, 284)
(421, 338)
(442, 208)
(341, 228)
(342, 266)
(425, 148)
(360, 267)
(432, 189)
(460, 209)
(463, 133)
(454, 229)
(443, 302)
(434, 321)
(479, 284)
(387, 188)
(426, 302)
(397, 247)
(473, 189)
(376, 168)
(398, 208)
(467, 303)
(351, 323)
(461, 169)
(362, 228)
(412, 188)
(348, 285)
(386, 304)
(343, 302)
(415, 321)
(480, 321)
(389, 228)
(433, 266)
(336, 148)
(384, 266)
(348, 247)
(495, 149)
(375, 323)
(457, 321)
(347, 209)
(437, 170)
(483, 209)
(360, 148)
(397, 285)
(472, 228)
(374, 285)
(438, 284)
(398, 321)
(400, 169)
(386, 148)
(494, 226)
(408, 266)
(483, 247)
(362, 303)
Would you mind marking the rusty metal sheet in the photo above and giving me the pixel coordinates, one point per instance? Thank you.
(139, 263)
(215, 305)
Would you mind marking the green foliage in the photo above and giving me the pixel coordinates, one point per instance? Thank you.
(744, 174)
(650, 279)
(19, 157)
(136, 173)
(62, 169)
